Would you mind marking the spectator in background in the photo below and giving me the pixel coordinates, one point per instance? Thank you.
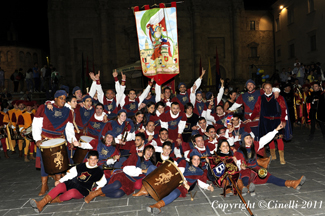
(2, 79)
(21, 81)
(15, 79)
(55, 78)
(29, 80)
(42, 75)
(283, 76)
(311, 77)
(299, 71)
(36, 77)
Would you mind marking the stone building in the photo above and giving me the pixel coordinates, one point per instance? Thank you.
(105, 32)
(14, 55)
(299, 31)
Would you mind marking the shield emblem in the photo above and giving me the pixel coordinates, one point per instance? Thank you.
(166, 58)
(148, 65)
(219, 170)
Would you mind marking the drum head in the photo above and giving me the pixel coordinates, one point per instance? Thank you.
(52, 143)
(86, 139)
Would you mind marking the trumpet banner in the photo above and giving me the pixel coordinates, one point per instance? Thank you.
(158, 42)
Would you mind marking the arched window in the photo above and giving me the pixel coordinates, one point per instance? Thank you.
(21, 56)
(28, 58)
(35, 58)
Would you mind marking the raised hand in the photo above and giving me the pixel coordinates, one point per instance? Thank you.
(123, 76)
(194, 88)
(115, 74)
(203, 72)
(97, 75)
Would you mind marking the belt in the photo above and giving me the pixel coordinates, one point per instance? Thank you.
(272, 117)
(48, 138)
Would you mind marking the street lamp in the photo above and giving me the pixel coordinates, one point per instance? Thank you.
(281, 7)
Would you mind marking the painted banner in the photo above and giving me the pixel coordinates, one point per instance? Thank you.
(158, 42)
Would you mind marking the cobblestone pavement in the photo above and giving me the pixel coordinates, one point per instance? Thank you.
(20, 182)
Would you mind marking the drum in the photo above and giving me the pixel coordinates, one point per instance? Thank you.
(80, 154)
(28, 134)
(3, 133)
(55, 156)
(163, 180)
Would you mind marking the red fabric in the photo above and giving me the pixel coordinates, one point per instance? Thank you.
(60, 188)
(272, 145)
(280, 144)
(127, 184)
(31, 147)
(65, 195)
(4, 146)
(138, 184)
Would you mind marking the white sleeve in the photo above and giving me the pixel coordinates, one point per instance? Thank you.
(231, 141)
(202, 184)
(234, 106)
(192, 99)
(186, 154)
(158, 92)
(182, 169)
(208, 116)
(101, 183)
(220, 94)
(132, 171)
(121, 100)
(197, 83)
(267, 138)
(100, 93)
(177, 152)
(144, 94)
(130, 136)
(164, 124)
(92, 89)
(181, 126)
(275, 89)
(71, 173)
(110, 161)
(37, 126)
(85, 146)
(158, 149)
(69, 132)
(153, 143)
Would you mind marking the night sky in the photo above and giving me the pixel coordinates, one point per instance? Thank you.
(30, 20)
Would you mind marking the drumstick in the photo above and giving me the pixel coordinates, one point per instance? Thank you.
(75, 125)
(71, 156)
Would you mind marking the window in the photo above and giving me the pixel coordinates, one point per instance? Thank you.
(277, 25)
(290, 15)
(252, 25)
(313, 43)
(21, 56)
(253, 52)
(278, 53)
(291, 50)
(310, 6)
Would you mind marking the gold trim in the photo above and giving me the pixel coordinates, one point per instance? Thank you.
(177, 170)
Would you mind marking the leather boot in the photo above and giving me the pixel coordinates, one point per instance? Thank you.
(156, 207)
(6, 155)
(44, 186)
(296, 184)
(264, 162)
(251, 189)
(281, 155)
(38, 206)
(31, 157)
(13, 152)
(20, 153)
(142, 192)
(57, 177)
(242, 189)
(229, 192)
(56, 200)
(272, 151)
(93, 194)
(26, 159)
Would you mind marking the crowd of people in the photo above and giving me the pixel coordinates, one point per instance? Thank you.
(116, 140)
(36, 79)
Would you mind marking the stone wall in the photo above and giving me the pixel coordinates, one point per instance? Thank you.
(105, 32)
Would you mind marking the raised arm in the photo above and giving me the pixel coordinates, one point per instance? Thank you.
(197, 82)
(158, 92)
(221, 91)
(145, 92)
(269, 136)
